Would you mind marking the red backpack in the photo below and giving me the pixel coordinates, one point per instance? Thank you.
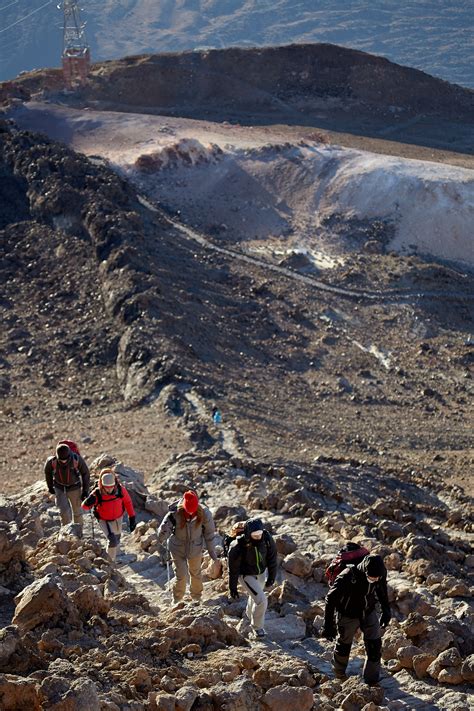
(72, 445)
(352, 554)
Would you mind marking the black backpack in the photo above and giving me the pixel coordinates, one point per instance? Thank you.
(237, 532)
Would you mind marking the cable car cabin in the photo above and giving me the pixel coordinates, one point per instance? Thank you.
(76, 64)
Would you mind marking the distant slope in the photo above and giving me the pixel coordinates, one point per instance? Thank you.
(431, 35)
(292, 79)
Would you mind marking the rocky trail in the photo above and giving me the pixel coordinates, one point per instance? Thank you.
(199, 657)
(379, 296)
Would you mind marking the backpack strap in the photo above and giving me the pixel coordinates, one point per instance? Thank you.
(172, 518)
(75, 464)
(100, 498)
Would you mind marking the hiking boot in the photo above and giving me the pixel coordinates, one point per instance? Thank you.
(341, 676)
(260, 632)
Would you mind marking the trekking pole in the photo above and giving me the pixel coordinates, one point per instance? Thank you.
(92, 523)
(168, 571)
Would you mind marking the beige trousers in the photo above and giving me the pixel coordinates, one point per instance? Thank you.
(184, 569)
(69, 505)
(257, 603)
(113, 531)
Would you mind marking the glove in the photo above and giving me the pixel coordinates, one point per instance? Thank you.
(84, 494)
(329, 631)
(234, 595)
(132, 523)
(269, 583)
(90, 500)
(385, 618)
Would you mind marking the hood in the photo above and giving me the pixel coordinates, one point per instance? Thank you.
(373, 565)
(253, 524)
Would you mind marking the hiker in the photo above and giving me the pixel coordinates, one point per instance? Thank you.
(216, 416)
(188, 527)
(109, 501)
(353, 596)
(67, 477)
(253, 564)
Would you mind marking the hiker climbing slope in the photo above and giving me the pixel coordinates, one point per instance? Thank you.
(189, 528)
(109, 502)
(67, 477)
(354, 596)
(253, 563)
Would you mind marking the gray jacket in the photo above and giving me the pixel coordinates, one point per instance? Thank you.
(188, 541)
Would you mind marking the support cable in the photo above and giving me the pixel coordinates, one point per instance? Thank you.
(15, 2)
(26, 16)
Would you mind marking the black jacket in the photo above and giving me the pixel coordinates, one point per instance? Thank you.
(249, 557)
(74, 474)
(353, 596)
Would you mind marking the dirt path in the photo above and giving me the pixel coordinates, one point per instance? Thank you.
(386, 296)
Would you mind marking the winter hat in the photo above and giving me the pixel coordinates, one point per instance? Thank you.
(374, 566)
(253, 525)
(62, 451)
(190, 502)
(107, 477)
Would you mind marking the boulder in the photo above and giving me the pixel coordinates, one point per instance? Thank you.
(389, 530)
(12, 553)
(157, 507)
(467, 669)
(393, 561)
(285, 544)
(89, 601)
(70, 530)
(450, 675)
(392, 640)
(276, 672)
(288, 698)
(459, 589)
(44, 601)
(414, 625)
(421, 662)
(405, 655)
(355, 693)
(185, 698)
(161, 701)
(286, 593)
(62, 695)
(214, 569)
(8, 510)
(297, 564)
(448, 659)
(436, 638)
(238, 694)
(286, 628)
(9, 642)
(19, 693)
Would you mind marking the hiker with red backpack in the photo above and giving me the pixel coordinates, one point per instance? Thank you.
(253, 563)
(354, 595)
(67, 477)
(109, 501)
(188, 527)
